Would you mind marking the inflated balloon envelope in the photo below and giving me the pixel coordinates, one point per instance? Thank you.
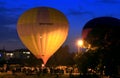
(43, 30)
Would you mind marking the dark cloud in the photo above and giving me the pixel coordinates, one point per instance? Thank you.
(3, 9)
(76, 12)
(9, 38)
(2, 3)
(10, 9)
(6, 33)
(7, 20)
(11, 45)
(110, 1)
(8, 15)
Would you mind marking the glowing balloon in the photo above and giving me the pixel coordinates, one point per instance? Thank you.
(42, 30)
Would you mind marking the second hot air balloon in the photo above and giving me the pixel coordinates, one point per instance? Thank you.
(43, 30)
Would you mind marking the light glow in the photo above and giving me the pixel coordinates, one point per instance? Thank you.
(80, 43)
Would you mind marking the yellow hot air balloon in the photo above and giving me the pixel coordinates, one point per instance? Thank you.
(43, 30)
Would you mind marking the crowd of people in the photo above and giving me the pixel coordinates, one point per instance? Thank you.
(38, 70)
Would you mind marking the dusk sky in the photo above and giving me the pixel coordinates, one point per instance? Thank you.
(78, 13)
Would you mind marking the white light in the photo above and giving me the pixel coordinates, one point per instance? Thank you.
(11, 54)
(27, 52)
(43, 65)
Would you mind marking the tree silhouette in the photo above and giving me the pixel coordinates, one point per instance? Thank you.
(61, 57)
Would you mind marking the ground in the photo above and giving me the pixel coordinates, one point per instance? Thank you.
(21, 75)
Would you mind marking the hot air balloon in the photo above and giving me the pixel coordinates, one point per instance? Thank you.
(101, 31)
(43, 30)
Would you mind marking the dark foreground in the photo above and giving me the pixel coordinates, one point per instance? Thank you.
(22, 75)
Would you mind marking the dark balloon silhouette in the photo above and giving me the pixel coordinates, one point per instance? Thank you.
(103, 34)
(100, 22)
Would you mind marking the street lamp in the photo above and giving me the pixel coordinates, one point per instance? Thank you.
(79, 44)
